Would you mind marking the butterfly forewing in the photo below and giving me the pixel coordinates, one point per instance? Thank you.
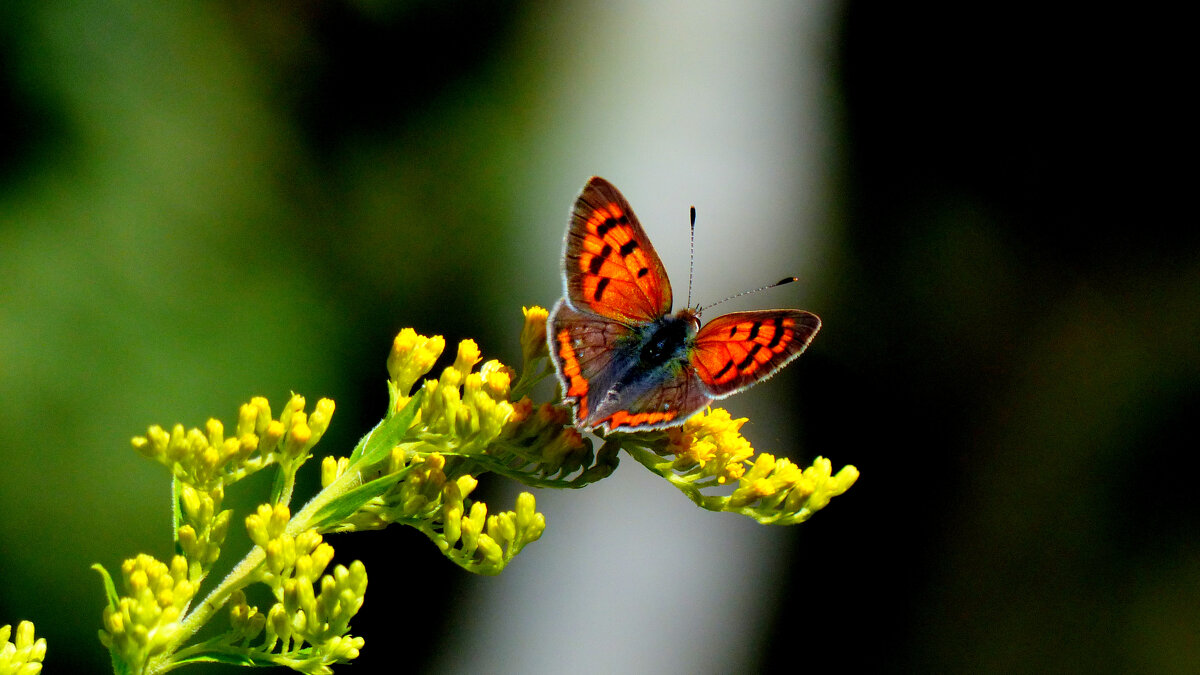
(611, 267)
(736, 350)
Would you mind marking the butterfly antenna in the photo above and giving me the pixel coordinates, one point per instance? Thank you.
(692, 258)
(782, 282)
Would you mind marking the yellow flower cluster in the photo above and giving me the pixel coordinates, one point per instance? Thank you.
(709, 449)
(422, 487)
(146, 620)
(468, 408)
(204, 528)
(438, 506)
(781, 488)
(22, 656)
(713, 442)
(294, 570)
(207, 459)
(411, 357)
(245, 621)
(471, 407)
(486, 543)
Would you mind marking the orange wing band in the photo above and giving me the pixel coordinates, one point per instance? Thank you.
(577, 387)
(624, 419)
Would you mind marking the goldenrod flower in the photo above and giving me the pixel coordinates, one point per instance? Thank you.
(22, 656)
(144, 622)
(468, 356)
(318, 421)
(294, 569)
(545, 440)
(245, 620)
(497, 379)
(322, 618)
(333, 468)
(411, 357)
(204, 528)
(208, 459)
(709, 450)
(533, 334)
(711, 440)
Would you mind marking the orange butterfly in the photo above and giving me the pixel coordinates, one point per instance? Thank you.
(625, 362)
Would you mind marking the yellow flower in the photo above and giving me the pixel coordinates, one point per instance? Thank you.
(790, 494)
(22, 656)
(207, 459)
(497, 379)
(468, 356)
(245, 620)
(533, 334)
(145, 621)
(204, 528)
(412, 356)
(333, 468)
(712, 441)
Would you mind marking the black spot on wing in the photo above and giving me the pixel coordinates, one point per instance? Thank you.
(749, 357)
(779, 331)
(728, 365)
(600, 288)
(609, 223)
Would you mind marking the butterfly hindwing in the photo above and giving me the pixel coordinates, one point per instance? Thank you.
(611, 268)
(736, 350)
(657, 403)
(599, 364)
(582, 347)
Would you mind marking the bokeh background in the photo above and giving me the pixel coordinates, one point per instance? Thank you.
(204, 202)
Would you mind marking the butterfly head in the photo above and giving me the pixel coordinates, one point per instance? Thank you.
(691, 315)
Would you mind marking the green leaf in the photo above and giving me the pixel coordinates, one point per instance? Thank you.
(605, 464)
(362, 442)
(110, 589)
(278, 483)
(387, 434)
(240, 658)
(344, 506)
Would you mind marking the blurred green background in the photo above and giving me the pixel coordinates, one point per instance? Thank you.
(200, 203)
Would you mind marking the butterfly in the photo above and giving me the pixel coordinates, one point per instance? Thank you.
(625, 362)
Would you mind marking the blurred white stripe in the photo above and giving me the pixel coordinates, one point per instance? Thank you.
(716, 104)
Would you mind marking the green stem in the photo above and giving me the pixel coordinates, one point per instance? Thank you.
(661, 467)
(529, 378)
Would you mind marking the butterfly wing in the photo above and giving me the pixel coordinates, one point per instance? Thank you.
(664, 399)
(739, 349)
(611, 268)
(584, 347)
(599, 364)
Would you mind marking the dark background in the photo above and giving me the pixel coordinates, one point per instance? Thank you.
(200, 205)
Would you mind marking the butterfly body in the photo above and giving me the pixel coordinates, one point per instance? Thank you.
(624, 360)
